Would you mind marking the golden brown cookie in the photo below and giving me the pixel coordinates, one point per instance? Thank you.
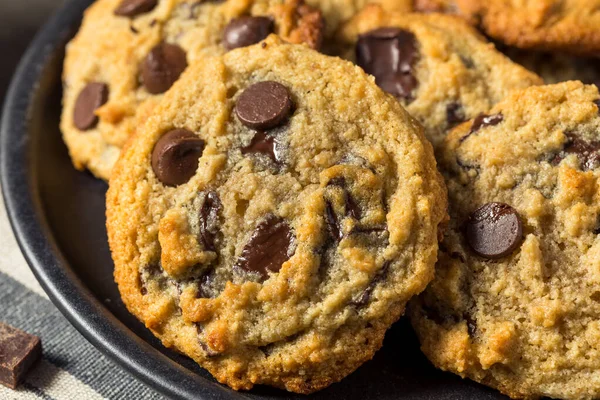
(128, 52)
(569, 26)
(515, 303)
(273, 217)
(440, 69)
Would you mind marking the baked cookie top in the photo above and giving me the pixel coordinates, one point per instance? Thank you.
(128, 52)
(569, 26)
(274, 215)
(440, 69)
(337, 12)
(516, 299)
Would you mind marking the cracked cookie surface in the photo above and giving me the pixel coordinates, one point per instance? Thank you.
(569, 26)
(439, 68)
(274, 216)
(515, 303)
(128, 52)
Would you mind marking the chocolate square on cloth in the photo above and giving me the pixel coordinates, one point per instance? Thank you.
(18, 352)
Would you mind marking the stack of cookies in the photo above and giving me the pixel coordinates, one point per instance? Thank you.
(284, 177)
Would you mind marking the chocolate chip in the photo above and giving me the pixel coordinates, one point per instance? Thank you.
(209, 219)
(264, 105)
(471, 324)
(588, 153)
(352, 208)
(246, 31)
(390, 55)
(92, 96)
(333, 225)
(597, 103)
(268, 248)
(494, 230)
(370, 229)
(204, 283)
(264, 144)
(455, 114)
(482, 120)
(175, 156)
(365, 296)
(132, 8)
(18, 352)
(162, 67)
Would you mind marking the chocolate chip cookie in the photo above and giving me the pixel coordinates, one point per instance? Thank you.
(337, 12)
(556, 67)
(515, 303)
(128, 52)
(440, 69)
(274, 215)
(569, 26)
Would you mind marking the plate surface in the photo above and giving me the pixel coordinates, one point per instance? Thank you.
(57, 214)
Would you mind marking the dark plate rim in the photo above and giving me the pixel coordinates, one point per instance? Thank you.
(25, 212)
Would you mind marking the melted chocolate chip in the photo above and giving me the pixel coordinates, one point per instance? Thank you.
(471, 324)
(482, 120)
(494, 230)
(93, 96)
(268, 248)
(352, 208)
(264, 144)
(246, 31)
(333, 225)
(162, 67)
(365, 296)
(390, 55)
(264, 105)
(132, 8)
(175, 156)
(455, 114)
(588, 153)
(203, 283)
(209, 219)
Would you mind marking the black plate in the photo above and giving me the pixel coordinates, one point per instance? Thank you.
(57, 214)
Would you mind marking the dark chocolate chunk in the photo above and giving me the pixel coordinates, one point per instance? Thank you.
(264, 144)
(264, 105)
(352, 208)
(268, 248)
(132, 8)
(246, 31)
(587, 152)
(175, 156)
(162, 67)
(365, 296)
(333, 225)
(209, 220)
(18, 352)
(494, 230)
(390, 55)
(471, 324)
(92, 96)
(482, 120)
(455, 114)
